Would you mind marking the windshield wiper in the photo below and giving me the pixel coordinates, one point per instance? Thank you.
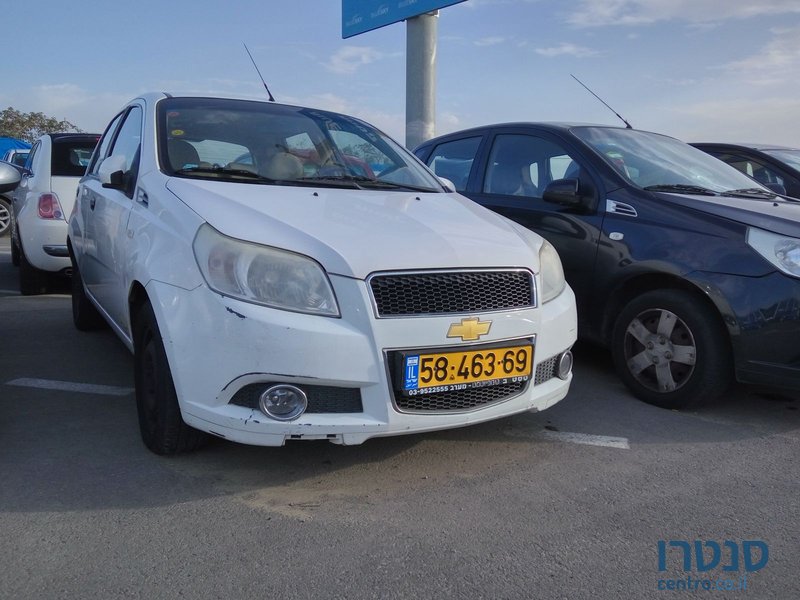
(342, 181)
(680, 188)
(225, 171)
(379, 183)
(750, 193)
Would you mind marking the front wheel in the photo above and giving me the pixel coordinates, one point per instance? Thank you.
(160, 422)
(670, 349)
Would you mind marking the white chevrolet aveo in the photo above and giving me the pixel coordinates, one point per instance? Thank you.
(286, 273)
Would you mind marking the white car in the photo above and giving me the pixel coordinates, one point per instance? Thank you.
(41, 206)
(286, 273)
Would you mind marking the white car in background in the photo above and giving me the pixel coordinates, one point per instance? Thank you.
(286, 273)
(41, 206)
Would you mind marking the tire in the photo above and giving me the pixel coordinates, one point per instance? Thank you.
(671, 351)
(84, 314)
(160, 423)
(32, 281)
(5, 216)
(15, 247)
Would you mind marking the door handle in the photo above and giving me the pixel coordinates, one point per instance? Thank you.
(92, 202)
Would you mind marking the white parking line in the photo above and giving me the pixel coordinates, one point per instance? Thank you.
(585, 438)
(69, 386)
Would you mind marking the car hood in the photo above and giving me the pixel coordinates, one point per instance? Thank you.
(357, 232)
(778, 216)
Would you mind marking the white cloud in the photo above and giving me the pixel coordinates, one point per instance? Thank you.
(759, 120)
(594, 13)
(348, 59)
(566, 49)
(87, 110)
(490, 41)
(776, 64)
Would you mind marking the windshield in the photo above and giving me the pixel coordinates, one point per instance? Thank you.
(265, 143)
(661, 163)
(790, 157)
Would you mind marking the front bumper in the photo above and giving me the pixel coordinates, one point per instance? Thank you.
(217, 347)
(762, 315)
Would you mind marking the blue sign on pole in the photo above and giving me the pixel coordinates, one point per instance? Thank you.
(359, 16)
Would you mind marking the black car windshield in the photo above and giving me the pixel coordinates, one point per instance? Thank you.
(661, 163)
(785, 155)
(264, 143)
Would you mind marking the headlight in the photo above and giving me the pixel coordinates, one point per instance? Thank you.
(553, 281)
(780, 250)
(263, 275)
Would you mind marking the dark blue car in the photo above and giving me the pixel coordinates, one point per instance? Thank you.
(687, 269)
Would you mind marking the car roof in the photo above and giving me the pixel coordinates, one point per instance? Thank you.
(744, 146)
(562, 126)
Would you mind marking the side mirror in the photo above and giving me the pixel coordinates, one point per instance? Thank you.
(563, 191)
(447, 184)
(776, 187)
(9, 177)
(111, 172)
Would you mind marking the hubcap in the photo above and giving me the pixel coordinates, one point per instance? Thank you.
(660, 350)
(5, 218)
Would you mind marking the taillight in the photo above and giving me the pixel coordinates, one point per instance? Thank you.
(50, 207)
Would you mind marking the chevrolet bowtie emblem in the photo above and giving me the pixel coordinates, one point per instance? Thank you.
(469, 329)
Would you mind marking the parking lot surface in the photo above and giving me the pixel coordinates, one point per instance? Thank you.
(579, 501)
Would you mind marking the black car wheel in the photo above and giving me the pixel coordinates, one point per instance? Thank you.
(160, 423)
(15, 247)
(84, 314)
(5, 216)
(670, 350)
(32, 281)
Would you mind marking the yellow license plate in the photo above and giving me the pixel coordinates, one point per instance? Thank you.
(448, 371)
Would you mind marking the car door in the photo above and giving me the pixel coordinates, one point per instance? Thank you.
(513, 168)
(105, 212)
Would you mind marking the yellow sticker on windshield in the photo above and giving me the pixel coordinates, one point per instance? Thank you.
(178, 132)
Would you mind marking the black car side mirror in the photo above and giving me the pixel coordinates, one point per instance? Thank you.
(776, 187)
(563, 191)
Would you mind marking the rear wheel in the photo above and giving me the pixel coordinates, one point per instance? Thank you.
(84, 314)
(32, 281)
(670, 349)
(160, 423)
(5, 216)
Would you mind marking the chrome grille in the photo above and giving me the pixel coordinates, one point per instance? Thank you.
(438, 293)
(321, 398)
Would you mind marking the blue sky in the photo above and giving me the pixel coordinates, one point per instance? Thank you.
(700, 70)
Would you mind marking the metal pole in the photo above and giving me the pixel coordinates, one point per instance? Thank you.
(421, 78)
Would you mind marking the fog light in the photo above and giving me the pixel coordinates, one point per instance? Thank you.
(564, 365)
(283, 402)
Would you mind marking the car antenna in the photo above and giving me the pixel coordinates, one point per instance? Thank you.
(627, 125)
(269, 95)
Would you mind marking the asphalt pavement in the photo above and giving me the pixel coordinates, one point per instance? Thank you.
(601, 496)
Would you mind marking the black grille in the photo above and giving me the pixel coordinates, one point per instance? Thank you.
(445, 293)
(460, 399)
(546, 370)
(321, 399)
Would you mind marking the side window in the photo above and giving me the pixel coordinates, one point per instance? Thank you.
(129, 138)
(29, 160)
(523, 165)
(127, 144)
(755, 169)
(102, 148)
(454, 160)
